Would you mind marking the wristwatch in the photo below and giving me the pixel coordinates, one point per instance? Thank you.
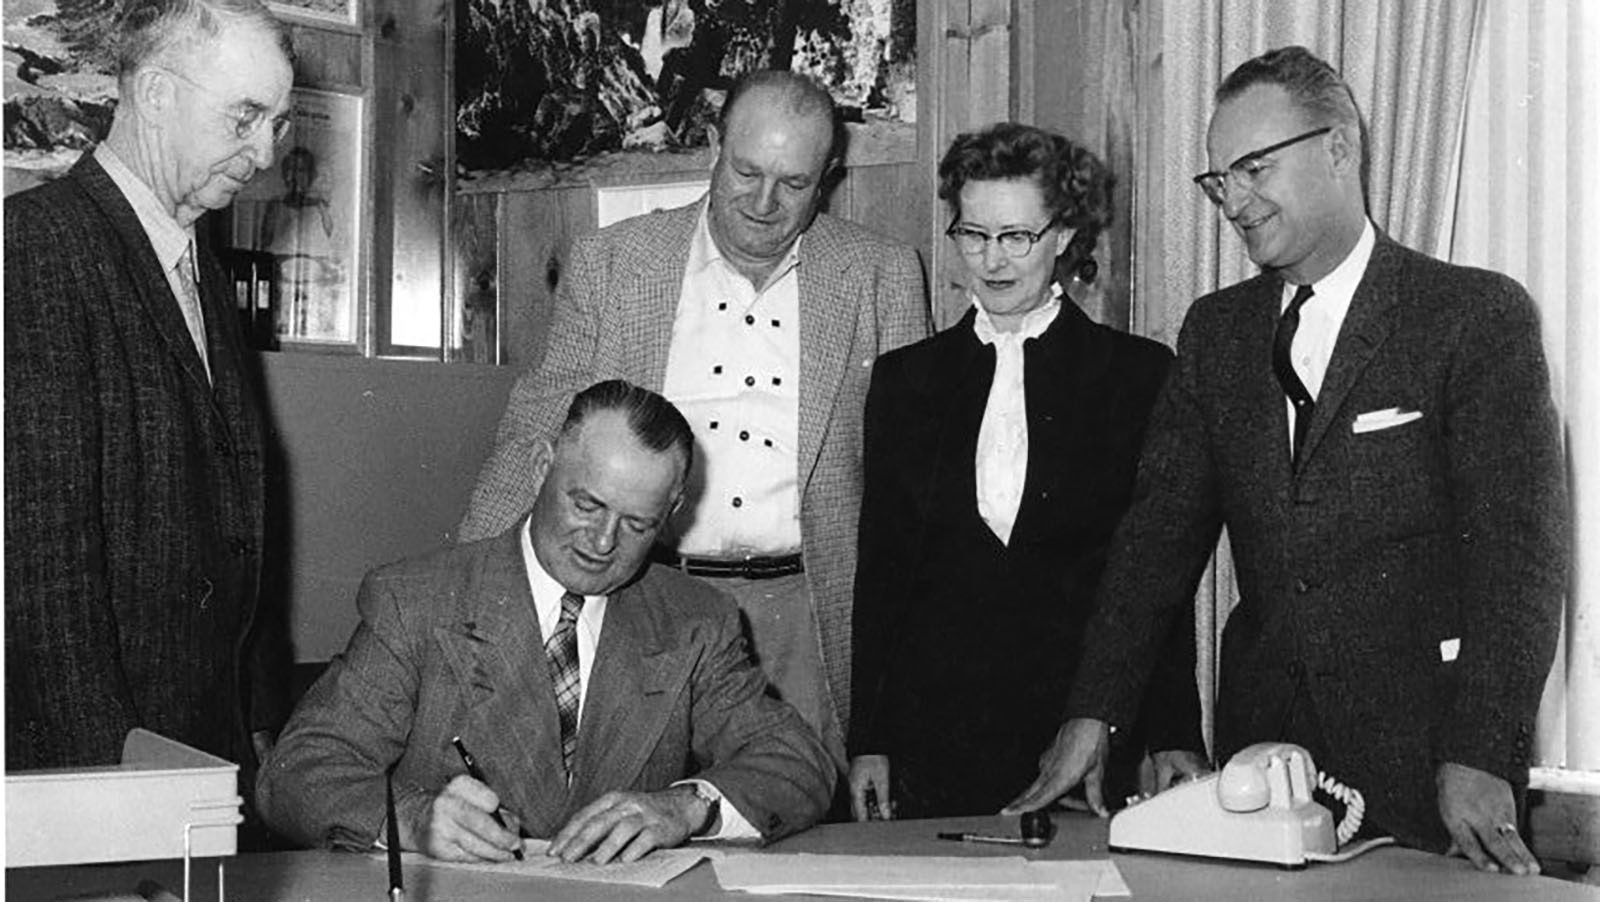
(713, 799)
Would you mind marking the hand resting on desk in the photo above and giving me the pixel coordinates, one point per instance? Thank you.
(628, 825)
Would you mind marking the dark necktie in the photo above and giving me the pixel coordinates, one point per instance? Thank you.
(562, 649)
(1282, 346)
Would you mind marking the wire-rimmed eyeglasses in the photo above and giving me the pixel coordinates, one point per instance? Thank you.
(1015, 242)
(246, 118)
(1246, 170)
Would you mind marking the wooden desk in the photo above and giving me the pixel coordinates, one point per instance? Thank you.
(1387, 873)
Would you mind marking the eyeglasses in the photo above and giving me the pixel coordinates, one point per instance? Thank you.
(1015, 242)
(247, 118)
(1247, 170)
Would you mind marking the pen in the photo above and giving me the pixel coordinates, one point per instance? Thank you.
(474, 773)
(982, 837)
(397, 883)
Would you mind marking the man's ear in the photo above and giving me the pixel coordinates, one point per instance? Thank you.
(1345, 149)
(714, 141)
(154, 89)
(543, 457)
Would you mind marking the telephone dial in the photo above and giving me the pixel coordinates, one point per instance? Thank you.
(1259, 807)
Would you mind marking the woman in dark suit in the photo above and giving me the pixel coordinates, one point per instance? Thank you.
(1000, 455)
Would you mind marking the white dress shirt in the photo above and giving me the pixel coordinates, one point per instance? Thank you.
(547, 604)
(1001, 462)
(173, 244)
(1323, 315)
(734, 371)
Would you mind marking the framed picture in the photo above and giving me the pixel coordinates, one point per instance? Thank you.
(318, 12)
(298, 227)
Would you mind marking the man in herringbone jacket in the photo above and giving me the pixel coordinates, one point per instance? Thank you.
(760, 318)
(134, 435)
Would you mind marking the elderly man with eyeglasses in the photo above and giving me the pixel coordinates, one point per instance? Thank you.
(1374, 428)
(133, 435)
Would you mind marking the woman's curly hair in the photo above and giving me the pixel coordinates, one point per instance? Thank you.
(1075, 184)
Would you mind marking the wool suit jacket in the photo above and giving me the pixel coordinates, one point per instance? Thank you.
(133, 493)
(1019, 610)
(449, 644)
(860, 295)
(1406, 581)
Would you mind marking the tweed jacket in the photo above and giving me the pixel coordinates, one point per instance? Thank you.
(1406, 580)
(860, 295)
(133, 492)
(449, 644)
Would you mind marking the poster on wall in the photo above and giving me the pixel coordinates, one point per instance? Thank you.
(562, 82)
(304, 215)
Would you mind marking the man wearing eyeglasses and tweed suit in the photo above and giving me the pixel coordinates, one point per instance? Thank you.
(1375, 430)
(134, 437)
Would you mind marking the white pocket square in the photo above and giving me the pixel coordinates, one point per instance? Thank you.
(1374, 420)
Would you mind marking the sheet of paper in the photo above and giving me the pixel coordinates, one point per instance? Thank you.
(653, 870)
(946, 879)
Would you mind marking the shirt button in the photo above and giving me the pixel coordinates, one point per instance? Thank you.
(749, 320)
(744, 436)
(738, 502)
(750, 381)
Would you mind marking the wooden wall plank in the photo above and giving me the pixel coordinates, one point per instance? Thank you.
(475, 236)
(536, 232)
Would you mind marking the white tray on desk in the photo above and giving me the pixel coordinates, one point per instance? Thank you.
(165, 800)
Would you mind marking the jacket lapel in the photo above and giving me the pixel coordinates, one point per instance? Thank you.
(1059, 366)
(1366, 326)
(498, 657)
(150, 281)
(1263, 417)
(828, 317)
(633, 687)
(659, 286)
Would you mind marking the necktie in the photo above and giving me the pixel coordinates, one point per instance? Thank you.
(562, 649)
(1283, 367)
(1002, 458)
(189, 303)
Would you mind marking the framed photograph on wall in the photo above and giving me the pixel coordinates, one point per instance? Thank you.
(344, 13)
(304, 218)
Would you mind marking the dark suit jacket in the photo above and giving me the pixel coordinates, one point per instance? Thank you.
(964, 647)
(860, 295)
(449, 644)
(133, 493)
(1354, 569)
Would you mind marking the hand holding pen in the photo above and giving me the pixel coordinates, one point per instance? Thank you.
(464, 822)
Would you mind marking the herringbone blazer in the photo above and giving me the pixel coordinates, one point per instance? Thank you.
(449, 644)
(1406, 580)
(133, 492)
(860, 295)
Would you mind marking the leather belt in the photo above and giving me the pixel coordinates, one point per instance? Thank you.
(731, 568)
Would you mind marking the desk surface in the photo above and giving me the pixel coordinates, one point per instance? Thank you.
(1385, 873)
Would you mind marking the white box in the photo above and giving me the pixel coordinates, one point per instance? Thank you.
(137, 810)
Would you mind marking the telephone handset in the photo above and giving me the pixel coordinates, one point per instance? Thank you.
(1259, 807)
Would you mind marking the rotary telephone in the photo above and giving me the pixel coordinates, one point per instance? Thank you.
(1258, 808)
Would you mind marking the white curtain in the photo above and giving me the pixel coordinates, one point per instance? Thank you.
(1529, 206)
(1406, 62)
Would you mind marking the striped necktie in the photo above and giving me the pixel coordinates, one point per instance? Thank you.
(189, 303)
(1283, 367)
(562, 650)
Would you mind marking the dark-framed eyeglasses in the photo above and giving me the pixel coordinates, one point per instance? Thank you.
(246, 118)
(1247, 170)
(1015, 242)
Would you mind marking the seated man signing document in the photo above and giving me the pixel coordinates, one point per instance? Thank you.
(587, 685)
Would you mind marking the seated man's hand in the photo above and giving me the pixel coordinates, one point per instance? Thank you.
(627, 825)
(458, 825)
(1479, 811)
(1078, 754)
(870, 772)
(1170, 767)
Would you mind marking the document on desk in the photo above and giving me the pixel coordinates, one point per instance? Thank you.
(653, 870)
(936, 879)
